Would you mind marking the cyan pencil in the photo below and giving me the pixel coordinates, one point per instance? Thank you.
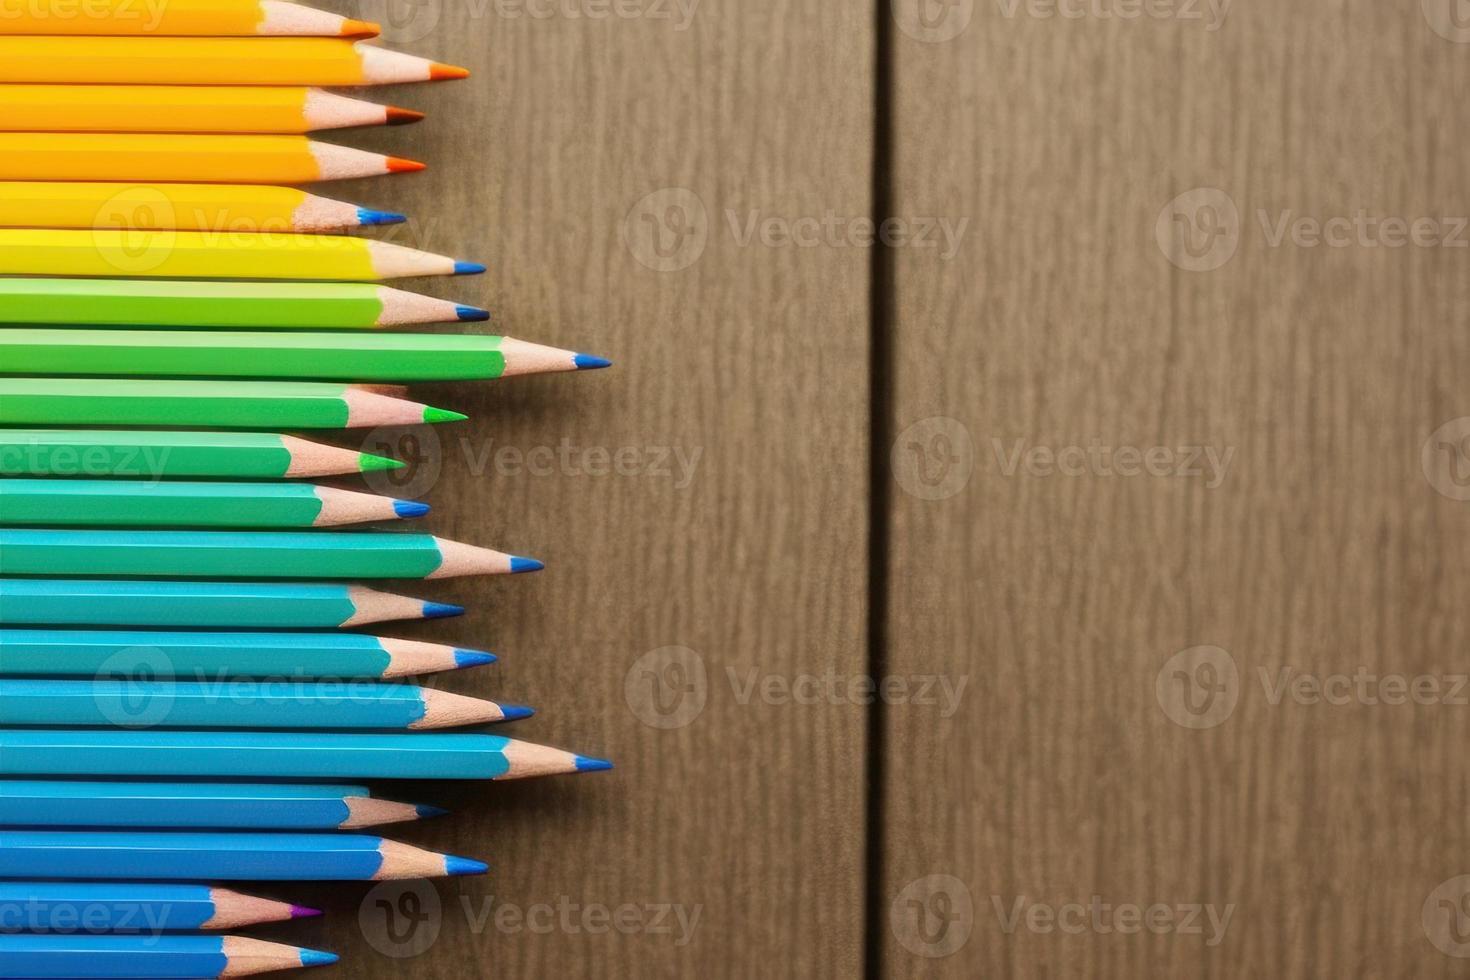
(205, 605)
(121, 907)
(198, 806)
(147, 956)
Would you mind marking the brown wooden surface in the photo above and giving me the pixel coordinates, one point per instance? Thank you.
(1325, 549)
(754, 357)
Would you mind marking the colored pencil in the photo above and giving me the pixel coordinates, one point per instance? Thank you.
(279, 755)
(52, 906)
(131, 856)
(220, 703)
(280, 355)
(168, 157)
(121, 503)
(92, 653)
(187, 109)
(148, 956)
(207, 404)
(216, 305)
(249, 554)
(221, 209)
(179, 18)
(199, 806)
(210, 61)
(157, 455)
(206, 605)
(109, 252)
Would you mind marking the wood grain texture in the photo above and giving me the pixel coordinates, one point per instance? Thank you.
(751, 362)
(1324, 549)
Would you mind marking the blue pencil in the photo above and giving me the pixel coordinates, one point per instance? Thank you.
(278, 755)
(154, 957)
(52, 906)
(90, 653)
(190, 605)
(118, 856)
(199, 806)
(358, 705)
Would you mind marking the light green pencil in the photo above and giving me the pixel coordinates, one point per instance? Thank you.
(293, 356)
(221, 304)
(208, 404)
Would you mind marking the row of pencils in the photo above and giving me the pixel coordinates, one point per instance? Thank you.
(183, 704)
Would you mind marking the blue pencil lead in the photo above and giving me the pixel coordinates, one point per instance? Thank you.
(472, 314)
(410, 508)
(468, 268)
(518, 564)
(585, 764)
(515, 712)
(315, 957)
(459, 867)
(368, 216)
(442, 610)
(472, 658)
(427, 812)
(590, 362)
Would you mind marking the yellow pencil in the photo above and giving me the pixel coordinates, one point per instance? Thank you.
(181, 207)
(162, 18)
(186, 109)
(168, 157)
(112, 253)
(210, 61)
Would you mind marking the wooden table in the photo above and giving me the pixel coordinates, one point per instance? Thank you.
(981, 466)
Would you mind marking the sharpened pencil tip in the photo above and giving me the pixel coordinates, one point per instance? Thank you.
(585, 764)
(442, 415)
(459, 867)
(471, 314)
(519, 564)
(427, 812)
(402, 117)
(442, 610)
(360, 28)
(398, 165)
(409, 508)
(468, 269)
(590, 362)
(445, 73)
(304, 912)
(368, 218)
(464, 659)
(515, 712)
(368, 463)
(315, 957)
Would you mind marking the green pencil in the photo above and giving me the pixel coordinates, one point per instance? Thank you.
(248, 554)
(208, 305)
(138, 503)
(157, 455)
(207, 404)
(291, 356)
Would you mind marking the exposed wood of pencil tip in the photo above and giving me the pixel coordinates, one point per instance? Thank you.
(365, 811)
(443, 709)
(403, 861)
(233, 910)
(284, 19)
(341, 507)
(315, 459)
(462, 559)
(247, 957)
(376, 607)
(412, 658)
